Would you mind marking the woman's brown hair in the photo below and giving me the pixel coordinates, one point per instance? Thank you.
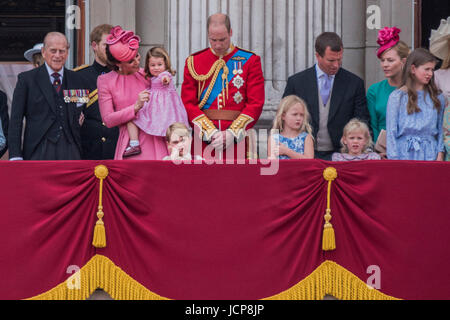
(111, 62)
(158, 52)
(418, 58)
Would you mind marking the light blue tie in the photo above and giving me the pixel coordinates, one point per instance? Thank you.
(326, 88)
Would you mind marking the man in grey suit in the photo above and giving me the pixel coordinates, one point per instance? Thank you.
(50, 98)
(333, 95)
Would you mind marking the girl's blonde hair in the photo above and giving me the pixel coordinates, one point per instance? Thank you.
(180, 128)
(285, 104)
(357, 125)
(158, 52)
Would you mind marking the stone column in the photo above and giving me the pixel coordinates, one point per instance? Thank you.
(353, 36)
(151, 24)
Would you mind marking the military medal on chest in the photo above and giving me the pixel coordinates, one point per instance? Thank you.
(238, 81)
(238, 65)
(238, 97)
(76, 96)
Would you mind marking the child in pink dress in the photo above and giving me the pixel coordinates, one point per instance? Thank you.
(164, 106)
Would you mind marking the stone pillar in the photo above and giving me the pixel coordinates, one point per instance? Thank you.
(353, 36)
(151, 24)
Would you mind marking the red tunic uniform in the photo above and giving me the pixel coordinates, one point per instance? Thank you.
(238, 100)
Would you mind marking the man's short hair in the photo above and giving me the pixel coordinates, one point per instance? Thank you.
(99, 31)
(328, 39)
(212, 19)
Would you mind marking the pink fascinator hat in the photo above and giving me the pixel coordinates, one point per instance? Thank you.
(387, 38)
(123, 44)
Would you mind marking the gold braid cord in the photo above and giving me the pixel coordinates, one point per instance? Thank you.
(214, 73)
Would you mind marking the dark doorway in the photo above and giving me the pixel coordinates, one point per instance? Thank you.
(24, 23)
(432, 13)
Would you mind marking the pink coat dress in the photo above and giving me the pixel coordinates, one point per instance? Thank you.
(117, 95)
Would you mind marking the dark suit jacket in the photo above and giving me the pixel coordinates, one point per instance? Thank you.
(97, 140)
(348, 100)
(34, 99)
(5, 119)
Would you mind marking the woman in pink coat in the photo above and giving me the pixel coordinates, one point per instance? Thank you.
(122, 94)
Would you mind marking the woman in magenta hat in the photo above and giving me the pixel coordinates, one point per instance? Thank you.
(122, 94)
(392, 54)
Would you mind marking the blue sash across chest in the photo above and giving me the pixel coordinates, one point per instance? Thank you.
(242, 57)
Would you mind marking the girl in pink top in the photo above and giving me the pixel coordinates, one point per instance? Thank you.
(122, 93)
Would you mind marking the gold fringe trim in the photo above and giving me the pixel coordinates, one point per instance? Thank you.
(332, 279)
(99, 272)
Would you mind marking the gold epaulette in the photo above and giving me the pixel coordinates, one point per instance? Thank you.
(201, 51)
(207, 128)
(84, 66)
(246, 51)
(239, 125)
(93, 97)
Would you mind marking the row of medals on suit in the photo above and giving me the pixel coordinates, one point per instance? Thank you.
(78, 96)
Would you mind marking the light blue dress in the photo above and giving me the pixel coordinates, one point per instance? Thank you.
(297, 144)
(417, 136)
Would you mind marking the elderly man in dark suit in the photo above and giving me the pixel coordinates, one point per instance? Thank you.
(333, 95)
(50, 98)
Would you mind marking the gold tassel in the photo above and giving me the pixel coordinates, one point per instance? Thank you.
(328, 236)
(99, 238)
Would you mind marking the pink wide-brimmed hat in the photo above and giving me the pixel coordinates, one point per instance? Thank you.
(387, 38)
(123, 44)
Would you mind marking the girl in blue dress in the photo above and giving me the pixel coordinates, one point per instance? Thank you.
(415, 113)
(291, 136)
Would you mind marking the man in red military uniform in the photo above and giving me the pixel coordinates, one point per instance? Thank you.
(223, 92)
